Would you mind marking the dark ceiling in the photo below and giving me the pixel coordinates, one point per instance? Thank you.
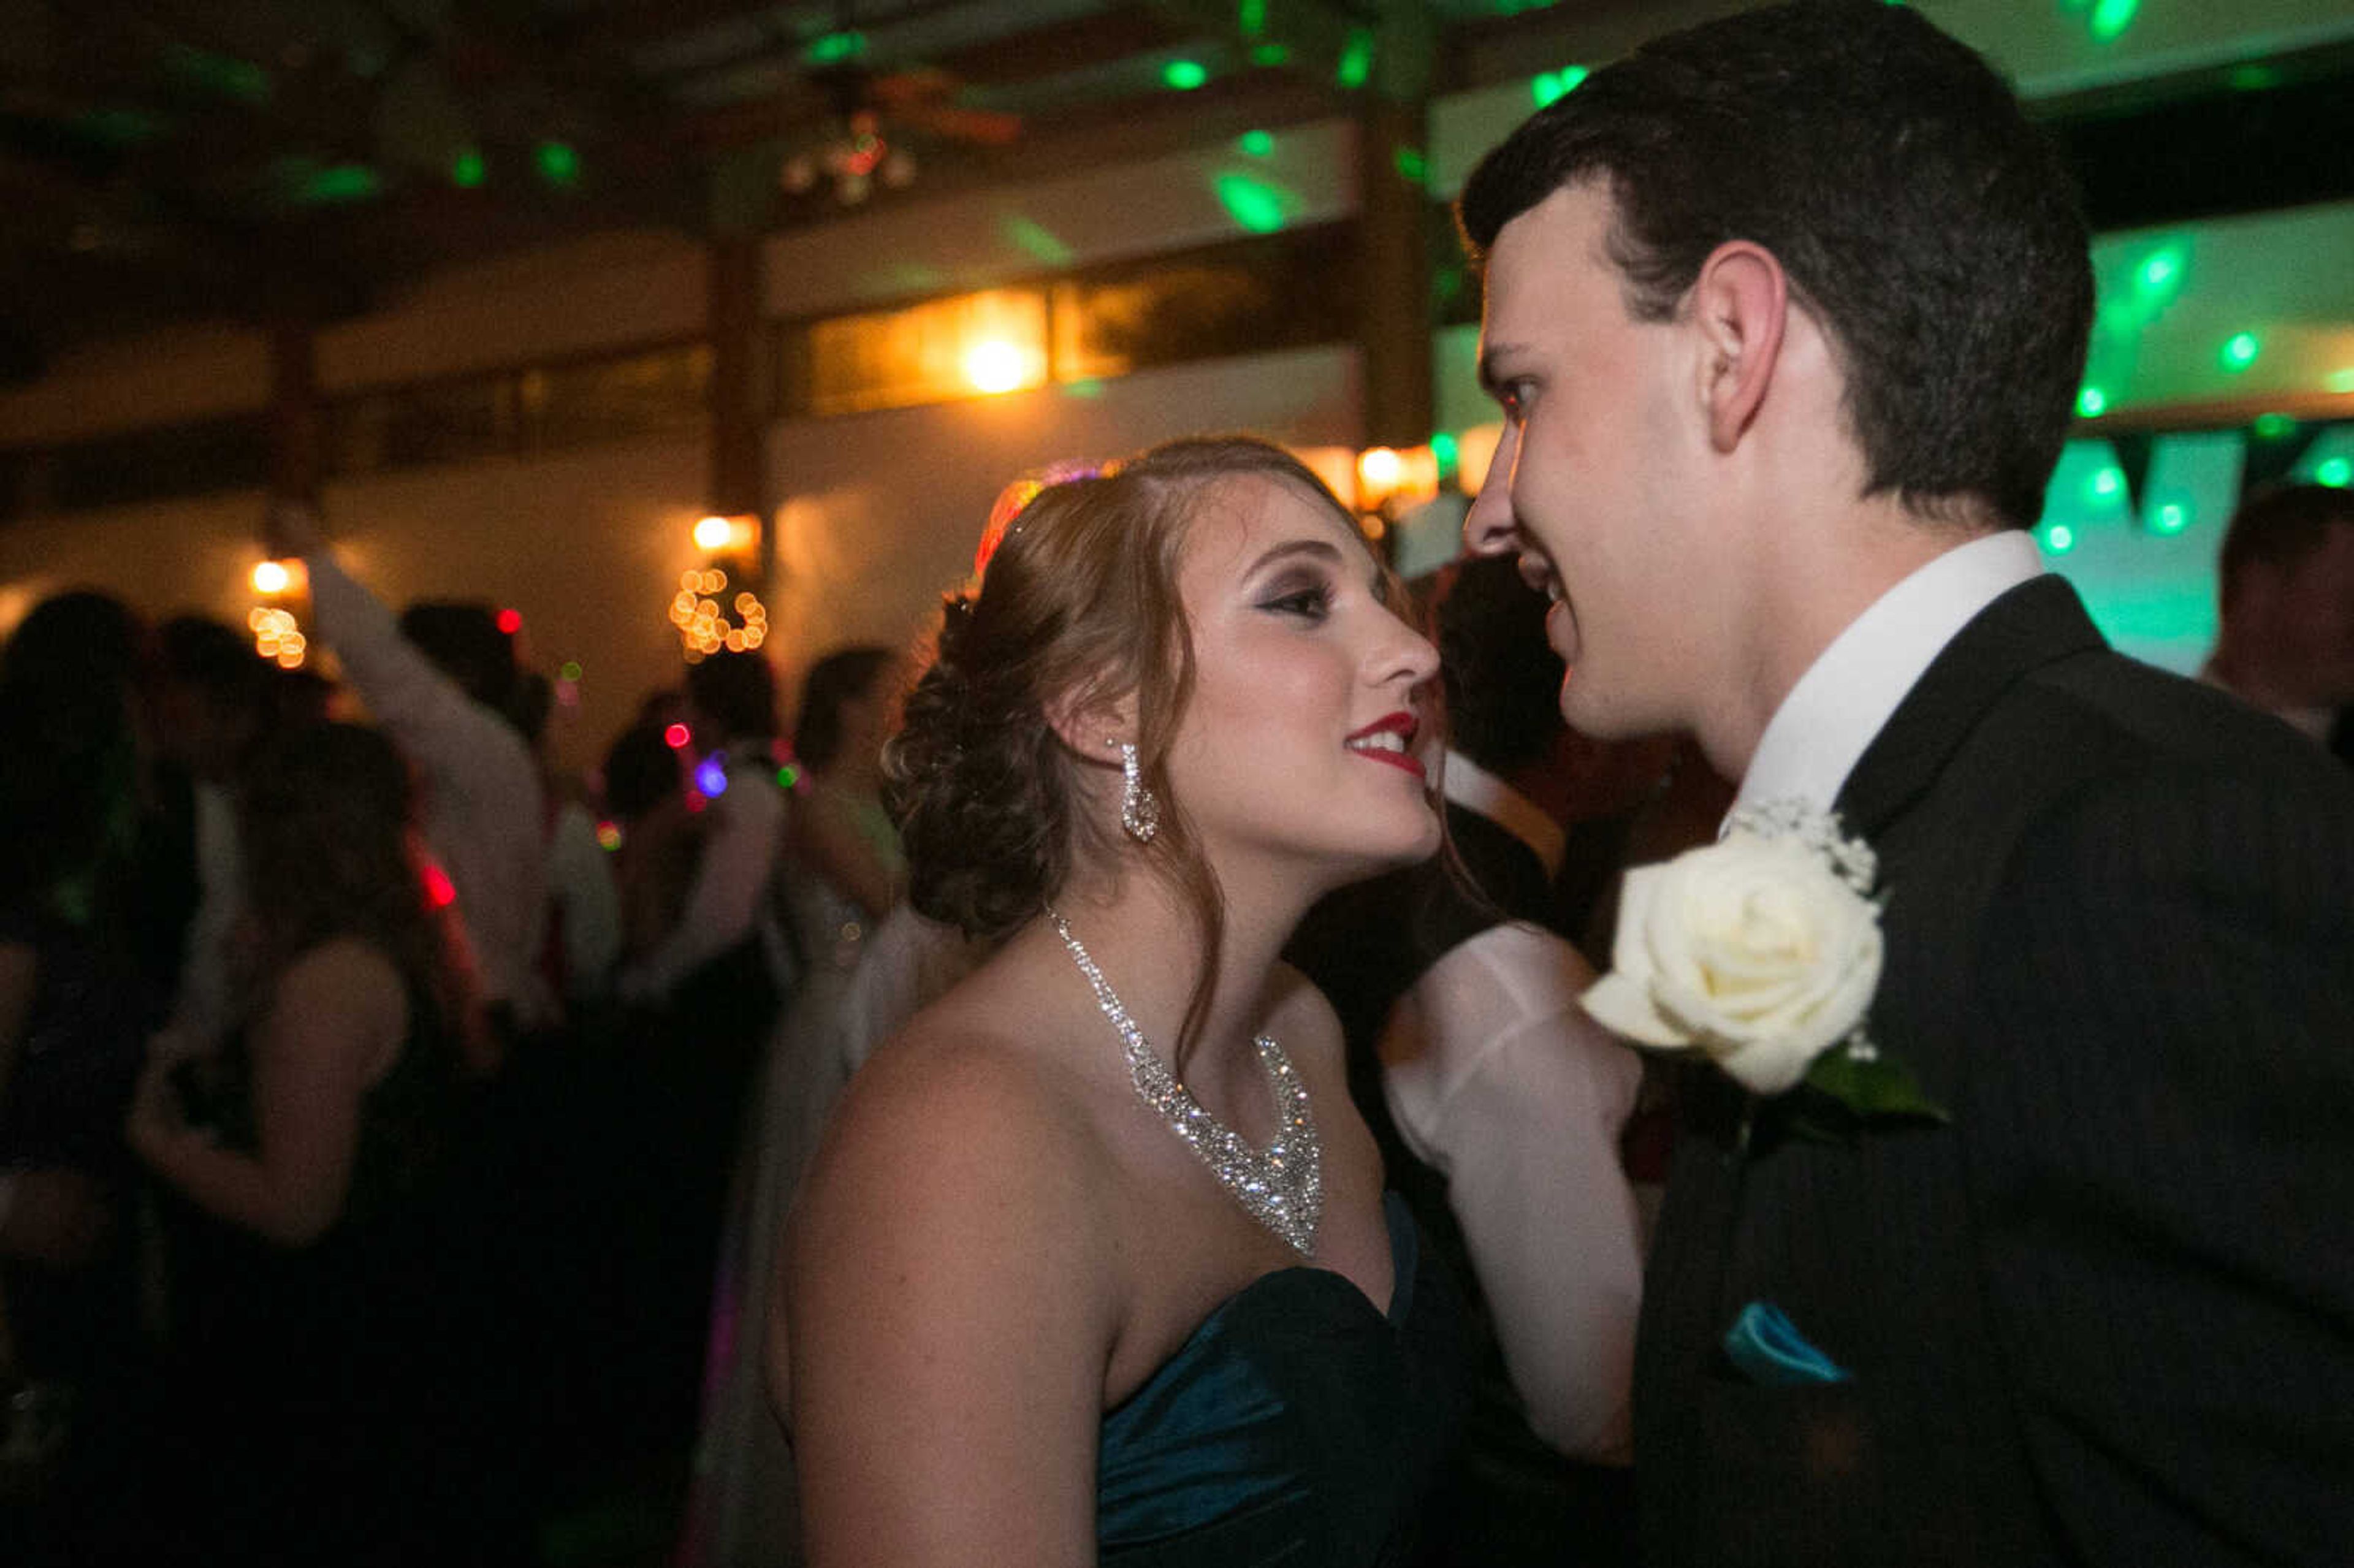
(164, 160)
(179, 158)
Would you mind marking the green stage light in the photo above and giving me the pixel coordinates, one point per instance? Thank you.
(558, 164)
(2091, 403)
(2058, 538)
(1549, 86)
(2112, 17)
(1255, 206)
(1356, 65)
(1255, 143)
(836, 47)
(2336, 472)
(2240, 350)
(1184, 76)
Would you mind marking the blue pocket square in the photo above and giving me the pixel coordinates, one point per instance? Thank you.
(1769, 1350)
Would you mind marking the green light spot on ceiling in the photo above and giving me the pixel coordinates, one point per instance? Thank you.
(2337, 472)
(1447, 452)
(468, 169)
(2342, 380)
(836, 47)
(2172, 518)
(2092, 402)
(2107, 482)
(1086, 390)
(2110, 19)
(1184, 76)
(1551, 87)
(1255, 143)
(2058, 538)
(1270, 54)
(2272, 427)
(1356, 65)
(1037, 241)
(2160, 271)
(2240, 350)
(1250, 17)
(570, 671)
(558, 164)
(339, 182)
(1411, 166)
(1254, 205)
(2255, 78)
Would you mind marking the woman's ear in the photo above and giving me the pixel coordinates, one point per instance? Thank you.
(1093, 726)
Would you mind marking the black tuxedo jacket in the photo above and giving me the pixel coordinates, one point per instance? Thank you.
(2107, 1315)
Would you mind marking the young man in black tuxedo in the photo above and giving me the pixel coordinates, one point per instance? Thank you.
(1787, 313)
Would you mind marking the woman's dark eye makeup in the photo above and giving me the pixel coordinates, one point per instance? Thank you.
(1298, 594)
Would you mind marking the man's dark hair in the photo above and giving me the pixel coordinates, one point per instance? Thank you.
(1919, 217)
(198, 651)
(641, 772)
(738, 690)
(464, 640)
(1502, 678)
(2279, 527)
(834, 682)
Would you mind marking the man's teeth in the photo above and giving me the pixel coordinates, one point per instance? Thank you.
(1387, 740)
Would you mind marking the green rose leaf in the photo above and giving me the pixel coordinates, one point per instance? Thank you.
(1875, 1088)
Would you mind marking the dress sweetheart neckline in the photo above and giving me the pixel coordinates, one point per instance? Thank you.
(1404, 1256)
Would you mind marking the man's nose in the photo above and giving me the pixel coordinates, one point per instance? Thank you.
(1488, 528)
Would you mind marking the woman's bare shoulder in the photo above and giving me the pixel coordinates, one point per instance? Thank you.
(952, 1130)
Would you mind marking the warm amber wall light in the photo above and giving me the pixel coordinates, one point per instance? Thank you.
(714, 533)
(278, 577)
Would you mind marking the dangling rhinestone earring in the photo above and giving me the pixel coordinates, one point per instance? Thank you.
(1139, 813)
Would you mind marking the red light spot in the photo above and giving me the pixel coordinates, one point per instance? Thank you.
(510, 622)
(677, 736)
(440, 892)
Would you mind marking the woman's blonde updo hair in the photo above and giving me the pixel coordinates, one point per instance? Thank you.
(1078, 602)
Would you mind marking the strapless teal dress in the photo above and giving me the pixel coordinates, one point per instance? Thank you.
(1299, 1425)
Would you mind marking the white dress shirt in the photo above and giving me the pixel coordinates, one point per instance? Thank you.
(581, 893)
(1497, 1078)
(1854, 687)
(482, 804)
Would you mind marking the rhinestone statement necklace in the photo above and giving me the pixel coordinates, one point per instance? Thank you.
(1282, 1186)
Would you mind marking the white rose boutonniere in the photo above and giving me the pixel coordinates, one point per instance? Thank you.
(1762, 951)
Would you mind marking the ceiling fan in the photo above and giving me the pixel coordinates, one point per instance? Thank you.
(873, 117)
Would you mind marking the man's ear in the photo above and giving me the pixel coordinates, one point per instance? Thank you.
(1092, 724)
(1740, 305)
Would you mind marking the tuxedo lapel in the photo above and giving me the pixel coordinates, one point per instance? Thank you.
(2033, 624)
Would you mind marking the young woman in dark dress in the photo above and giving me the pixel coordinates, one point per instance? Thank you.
(1095, 1264)
(315, 1341)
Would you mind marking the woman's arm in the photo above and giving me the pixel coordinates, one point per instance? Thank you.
(830, 843)
(949, 1309)
(334, 1025)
